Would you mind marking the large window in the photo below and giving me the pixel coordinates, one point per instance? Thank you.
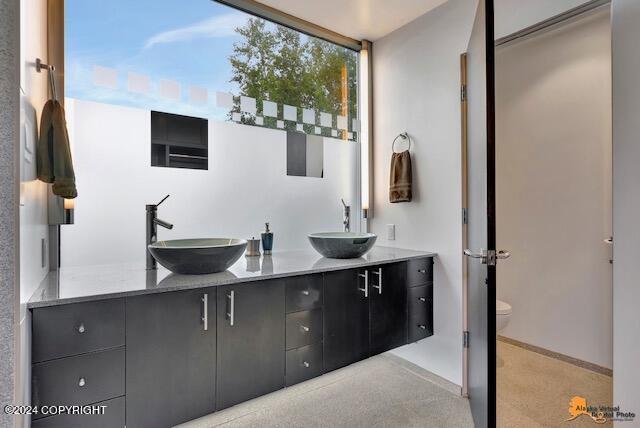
(204, 59)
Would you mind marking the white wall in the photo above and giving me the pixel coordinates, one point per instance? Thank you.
(553, 187)
(33, 193)
(246, 184)
(626, 206)
(514, 15)
(416, 87)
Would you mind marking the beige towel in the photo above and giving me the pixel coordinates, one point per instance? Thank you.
(400, 180)
(53, 155)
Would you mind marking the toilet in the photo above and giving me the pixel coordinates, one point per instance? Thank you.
(503, 314)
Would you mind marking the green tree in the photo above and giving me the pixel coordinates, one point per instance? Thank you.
(272, 62)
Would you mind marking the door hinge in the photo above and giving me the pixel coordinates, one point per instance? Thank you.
(465, 216)
(465, 339)
(463, 93)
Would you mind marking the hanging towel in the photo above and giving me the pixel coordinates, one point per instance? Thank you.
(53, 155)
(400, 180)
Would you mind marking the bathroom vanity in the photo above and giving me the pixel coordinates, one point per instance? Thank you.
(159, 349)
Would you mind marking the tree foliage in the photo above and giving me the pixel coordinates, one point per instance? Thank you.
(275, 63)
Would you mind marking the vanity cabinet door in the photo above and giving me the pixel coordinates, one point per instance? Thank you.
(387, 307)
(346, 318)
(251, 341)
(170, 357)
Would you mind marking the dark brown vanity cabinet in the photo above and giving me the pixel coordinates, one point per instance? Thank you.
(372, 310)
(420, 298)
(304, 327)
(171, 357)
(251, 341)
(387, 307)
(346, 318)
(157, 360)
(78, 356)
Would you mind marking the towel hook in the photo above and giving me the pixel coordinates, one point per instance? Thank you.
(51, 69)
(404, 136)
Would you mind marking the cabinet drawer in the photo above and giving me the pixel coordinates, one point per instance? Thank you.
(419, 272)
(420, 312)
(80, 380)
(303, 363)
(304, 328)
(65, 330)
(303, 292)
(113, 417)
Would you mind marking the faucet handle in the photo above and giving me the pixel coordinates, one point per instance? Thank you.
(163, 199)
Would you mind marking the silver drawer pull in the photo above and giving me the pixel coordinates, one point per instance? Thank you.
(305, 292)
(205, 312)
(304, 328)
(81, 329)
(379, 286)
(424, 327)
(422, 299)
(365, 290)
(82, 382)
(306, 364)
(232, 307)
(422, 270)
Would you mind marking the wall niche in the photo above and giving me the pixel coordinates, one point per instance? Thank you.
(179, 141)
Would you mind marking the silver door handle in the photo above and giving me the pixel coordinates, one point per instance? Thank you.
(81, 329)
(82, 382)
(503, 255)
(305, 292)
(488, 257)
(365, 275)
(232, 303)
(422, 299)
(609, 240)
(481, 255)
(379, 286)
(205, 311)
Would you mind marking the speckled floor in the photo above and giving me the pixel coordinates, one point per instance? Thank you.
(383, 391)
(534, 390)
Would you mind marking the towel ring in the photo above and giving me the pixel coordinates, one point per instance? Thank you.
(404, 136)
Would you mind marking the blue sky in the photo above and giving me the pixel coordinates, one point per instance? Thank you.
(188, 41)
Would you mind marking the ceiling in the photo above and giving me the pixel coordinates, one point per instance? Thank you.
(358, 19)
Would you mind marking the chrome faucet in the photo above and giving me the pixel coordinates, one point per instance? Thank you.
(347, 217)
(152, 230)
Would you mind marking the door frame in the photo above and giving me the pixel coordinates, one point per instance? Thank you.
(465, 232)
(491, 209)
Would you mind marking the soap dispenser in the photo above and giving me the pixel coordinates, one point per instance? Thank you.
(267, 240)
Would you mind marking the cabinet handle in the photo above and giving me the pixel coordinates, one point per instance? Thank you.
(365, 275)
(305, 292)
(82, 382)
(205, 311)
(422, 270)
(304, 328)
(379, 286)
(422, 299)
(304, 363)
(232, 303)
(81, 329)
(424, 327)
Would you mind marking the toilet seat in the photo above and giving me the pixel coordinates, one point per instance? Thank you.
(502, 308)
